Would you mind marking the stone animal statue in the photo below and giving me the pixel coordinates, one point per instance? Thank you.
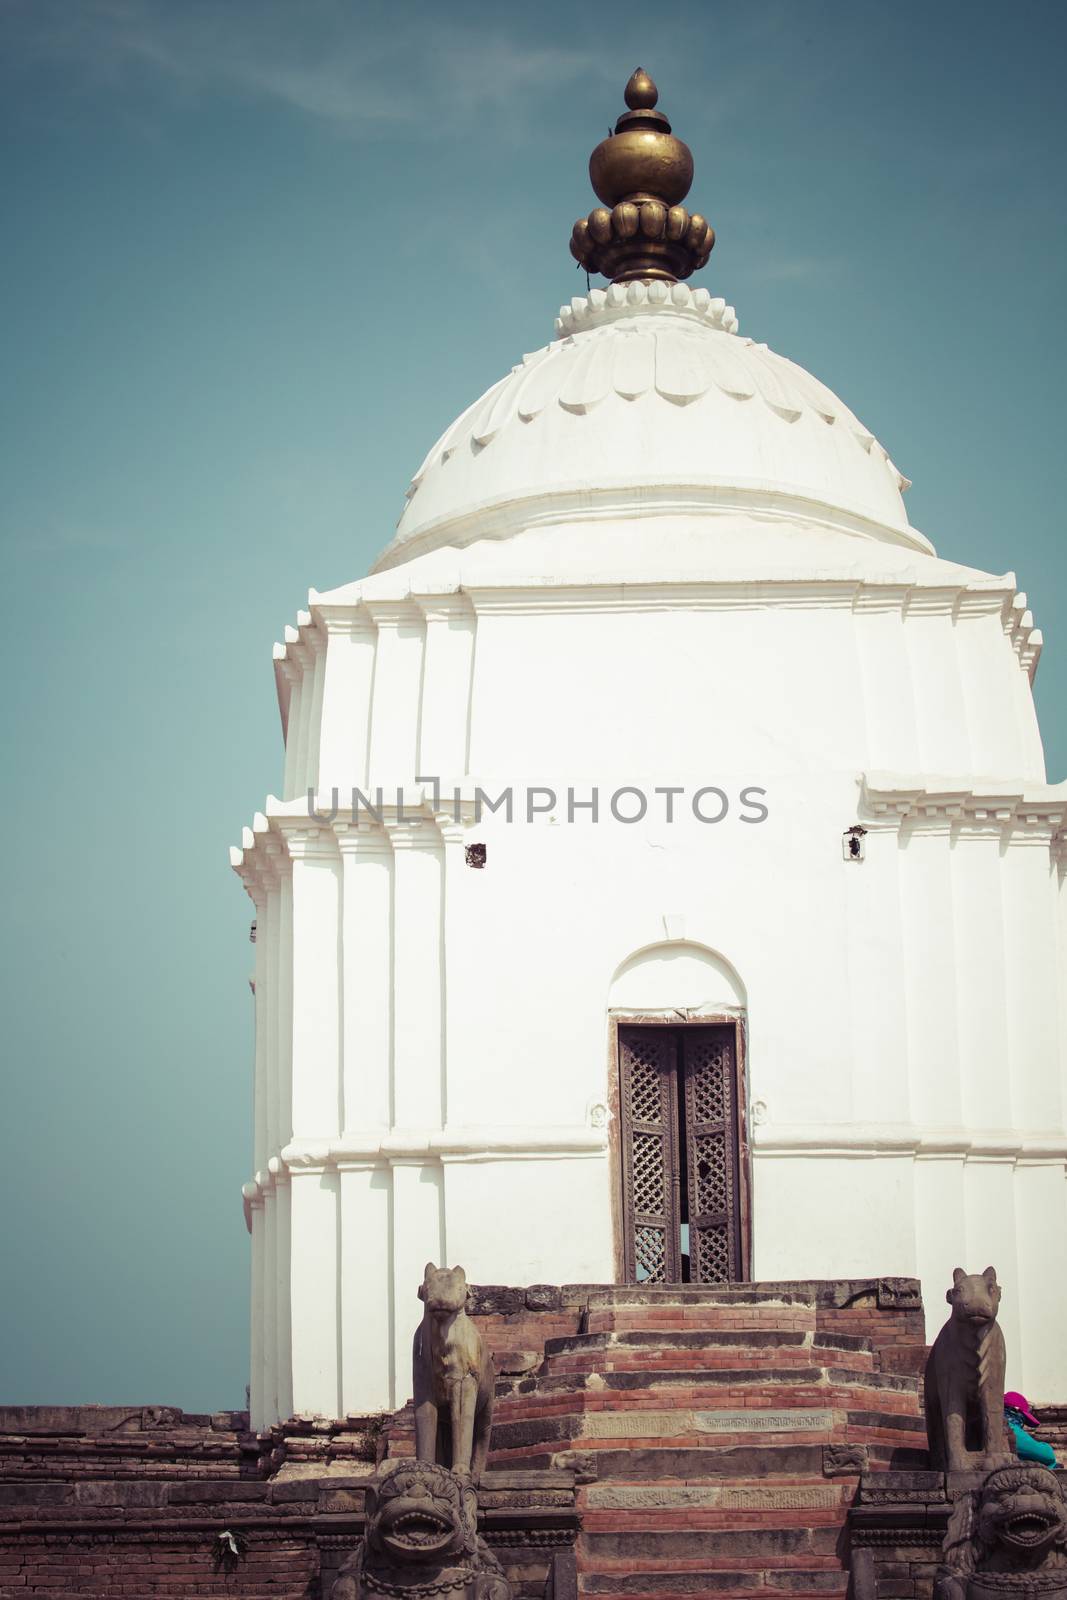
(1007, 1539)
(421, 1541)
(453, 1377)
(964, 1379)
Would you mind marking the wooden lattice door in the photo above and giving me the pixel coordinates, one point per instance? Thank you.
(681, 1154)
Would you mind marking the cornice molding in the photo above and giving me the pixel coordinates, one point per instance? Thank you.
(421, 1146)
(418, 816)
(1037, 808)
(859, 1140)
(736, 590)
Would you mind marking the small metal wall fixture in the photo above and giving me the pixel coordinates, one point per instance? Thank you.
(642, 173)
(852, 843)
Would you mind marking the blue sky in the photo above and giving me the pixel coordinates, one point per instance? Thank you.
(257, 255)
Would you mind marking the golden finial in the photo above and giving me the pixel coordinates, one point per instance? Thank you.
(642, 173)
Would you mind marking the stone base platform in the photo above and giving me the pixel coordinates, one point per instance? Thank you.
(748, 1440)
(109, 1501)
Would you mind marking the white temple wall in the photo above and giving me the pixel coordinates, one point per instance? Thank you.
(988, 692)
(1041, 1288)
(437, 1038)
(937, 689)
(552, 1215)
(395, 703)
(315, 1290)
(832, 1216)
(446, 685)
(367, 975)
(931, 980)
(260, 1378)
(981, 997)
(964, 706)
(1030, 894)
(365, 1199)
(885, 672)
(344, 745)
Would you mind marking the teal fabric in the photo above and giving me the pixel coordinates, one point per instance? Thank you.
(1028, 1449)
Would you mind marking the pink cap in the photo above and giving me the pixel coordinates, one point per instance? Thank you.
(1019, 1402)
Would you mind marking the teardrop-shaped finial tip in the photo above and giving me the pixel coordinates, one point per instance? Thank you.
(641, 92)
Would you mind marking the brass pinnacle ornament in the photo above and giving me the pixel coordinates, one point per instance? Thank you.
(642, 173)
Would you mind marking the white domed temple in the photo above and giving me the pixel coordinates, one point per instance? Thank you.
(665, 885)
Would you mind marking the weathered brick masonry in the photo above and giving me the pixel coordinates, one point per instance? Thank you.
(709, 1440)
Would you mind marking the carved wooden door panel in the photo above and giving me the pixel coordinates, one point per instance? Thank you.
(711, 1147)
(649, 1096)
(681, 1154)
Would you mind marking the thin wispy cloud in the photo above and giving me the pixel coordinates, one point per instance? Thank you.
(796, 269)
(331, 62)
(62, 539)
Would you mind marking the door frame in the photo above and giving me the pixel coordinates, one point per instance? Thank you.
(673, 1019)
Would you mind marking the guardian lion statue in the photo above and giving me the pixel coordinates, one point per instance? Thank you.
(452, 1375)
(1007, 1539)
(421, 1540)
(964, 1380)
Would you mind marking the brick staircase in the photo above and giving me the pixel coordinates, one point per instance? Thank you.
(717, 1435)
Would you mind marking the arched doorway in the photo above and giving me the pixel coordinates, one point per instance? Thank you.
(681, 1147)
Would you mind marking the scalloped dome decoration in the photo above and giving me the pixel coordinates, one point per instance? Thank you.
(606, 305)
(636, 340)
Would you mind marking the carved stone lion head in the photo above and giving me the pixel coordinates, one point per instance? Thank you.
(444, 1291)
(421, 1514)
(1020, 1509)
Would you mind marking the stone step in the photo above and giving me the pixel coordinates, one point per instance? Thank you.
(742, 1381)
(742, 1583)
(713, 1319)
(650, 1550)
(705, 1426)
(664, 1464)
(686, 1337)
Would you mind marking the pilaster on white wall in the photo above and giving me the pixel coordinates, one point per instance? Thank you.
(316, 1068)
(1041, 1293)
(931, 976)
(988, 668)
(316, 645)
(344, 737)
(366, 1288)
(315, 1290)
(1059, 880)
(418, 974)
(397, 679)
(269, 1306)
(446, 684)
(887, 687)
(1024, 643)
(263, 1001)
(303, 655)
(876, 969)
(295, 678)
(1032, 979)
(464, 1046)
(258, 1407)
(283, 1340)
(284, 1007)
(367, 964)
(981, 1014)
(937, 691)
(274, 851)
(418, 1237)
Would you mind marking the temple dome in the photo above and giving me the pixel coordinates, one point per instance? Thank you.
(650, 403)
